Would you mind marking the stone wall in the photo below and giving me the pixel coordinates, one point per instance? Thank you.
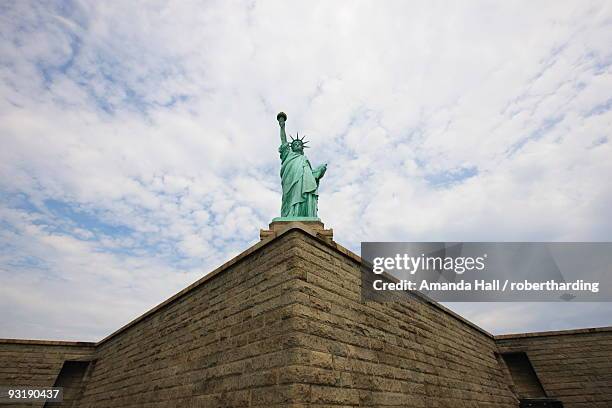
(221, 343)
(412, 354)
(37, 363)
(573, 366)
(283, 325)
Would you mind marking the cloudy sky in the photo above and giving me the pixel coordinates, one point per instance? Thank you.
(139, 140)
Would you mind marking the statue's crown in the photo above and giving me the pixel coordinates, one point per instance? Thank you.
(298, 141)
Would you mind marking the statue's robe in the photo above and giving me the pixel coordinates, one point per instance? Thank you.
(300, 188)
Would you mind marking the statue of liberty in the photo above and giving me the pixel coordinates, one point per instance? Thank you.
(299, 181)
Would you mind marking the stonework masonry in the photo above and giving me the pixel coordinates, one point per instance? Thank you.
(283, 325)
(37, 363)
(574, 366)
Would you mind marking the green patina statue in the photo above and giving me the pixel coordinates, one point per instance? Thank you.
(299, 180)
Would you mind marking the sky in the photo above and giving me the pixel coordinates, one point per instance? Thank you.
(139, 141)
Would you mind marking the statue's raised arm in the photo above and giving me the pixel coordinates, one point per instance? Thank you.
(282, 118)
